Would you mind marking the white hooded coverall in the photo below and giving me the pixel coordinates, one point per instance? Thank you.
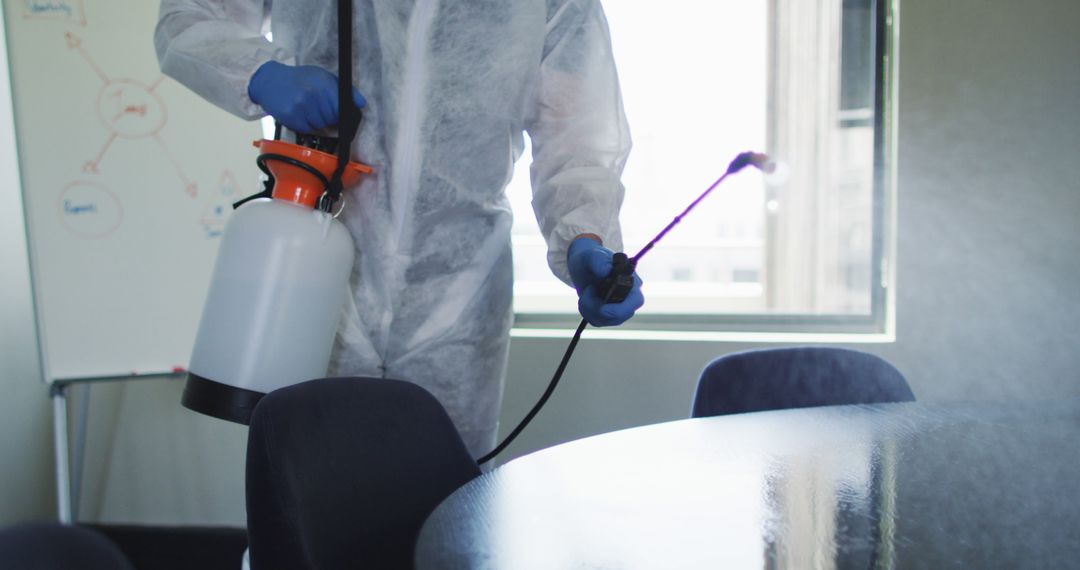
(450, 86)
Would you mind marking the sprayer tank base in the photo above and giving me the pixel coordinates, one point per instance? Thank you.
(219, 400)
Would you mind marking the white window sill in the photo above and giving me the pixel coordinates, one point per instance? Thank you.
(741, 337)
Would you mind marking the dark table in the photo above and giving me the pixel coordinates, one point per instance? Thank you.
(886, 486)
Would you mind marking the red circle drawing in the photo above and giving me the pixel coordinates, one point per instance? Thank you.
(130, 109)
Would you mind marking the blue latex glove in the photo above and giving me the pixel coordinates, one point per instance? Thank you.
(304, 98)
(589, 263)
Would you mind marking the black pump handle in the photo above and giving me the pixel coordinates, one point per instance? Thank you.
(617, 285)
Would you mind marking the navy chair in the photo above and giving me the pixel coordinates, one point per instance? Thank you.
(52, 546)
(783, 378)
(342, 473)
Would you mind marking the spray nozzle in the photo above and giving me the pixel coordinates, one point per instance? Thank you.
(756, 159)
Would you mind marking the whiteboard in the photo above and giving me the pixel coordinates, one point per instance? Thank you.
(127, 180)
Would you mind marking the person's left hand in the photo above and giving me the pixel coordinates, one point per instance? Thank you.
(304, 98)
(589, 263)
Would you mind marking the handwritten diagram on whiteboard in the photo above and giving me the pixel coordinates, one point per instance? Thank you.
(70, 11)
(128, 180)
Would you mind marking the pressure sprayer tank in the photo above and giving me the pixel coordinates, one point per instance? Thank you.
(277, 290)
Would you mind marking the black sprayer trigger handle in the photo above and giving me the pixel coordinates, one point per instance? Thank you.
(617, 285)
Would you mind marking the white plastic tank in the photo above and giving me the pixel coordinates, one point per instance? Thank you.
(275, 297)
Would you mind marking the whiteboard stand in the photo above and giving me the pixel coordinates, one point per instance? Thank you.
(58, 393)
(68, 471)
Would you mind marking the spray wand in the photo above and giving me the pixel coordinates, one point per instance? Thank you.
(620, 281)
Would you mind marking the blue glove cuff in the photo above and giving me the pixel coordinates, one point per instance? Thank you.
(581, 244)
(589, 262)
(252, 86)
(581, 263)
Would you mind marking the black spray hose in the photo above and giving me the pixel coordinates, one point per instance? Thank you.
(617, 286)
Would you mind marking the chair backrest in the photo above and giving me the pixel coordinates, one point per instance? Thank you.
(53, 546)
(342, 473)
(803, 377)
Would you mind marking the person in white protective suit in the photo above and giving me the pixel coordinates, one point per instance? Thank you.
(450, 86)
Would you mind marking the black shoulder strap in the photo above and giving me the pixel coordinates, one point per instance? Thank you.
(348, 115)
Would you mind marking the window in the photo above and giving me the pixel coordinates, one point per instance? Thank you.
(806, 249)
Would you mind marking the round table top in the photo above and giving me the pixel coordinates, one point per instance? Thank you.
(895, 485)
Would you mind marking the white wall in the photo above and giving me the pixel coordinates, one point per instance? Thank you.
(25, 434)
(987, 302)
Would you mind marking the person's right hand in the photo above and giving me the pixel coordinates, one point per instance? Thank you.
(304, 98)
(589, 263)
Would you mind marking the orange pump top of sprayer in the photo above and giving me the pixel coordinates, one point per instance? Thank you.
(294, 184)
